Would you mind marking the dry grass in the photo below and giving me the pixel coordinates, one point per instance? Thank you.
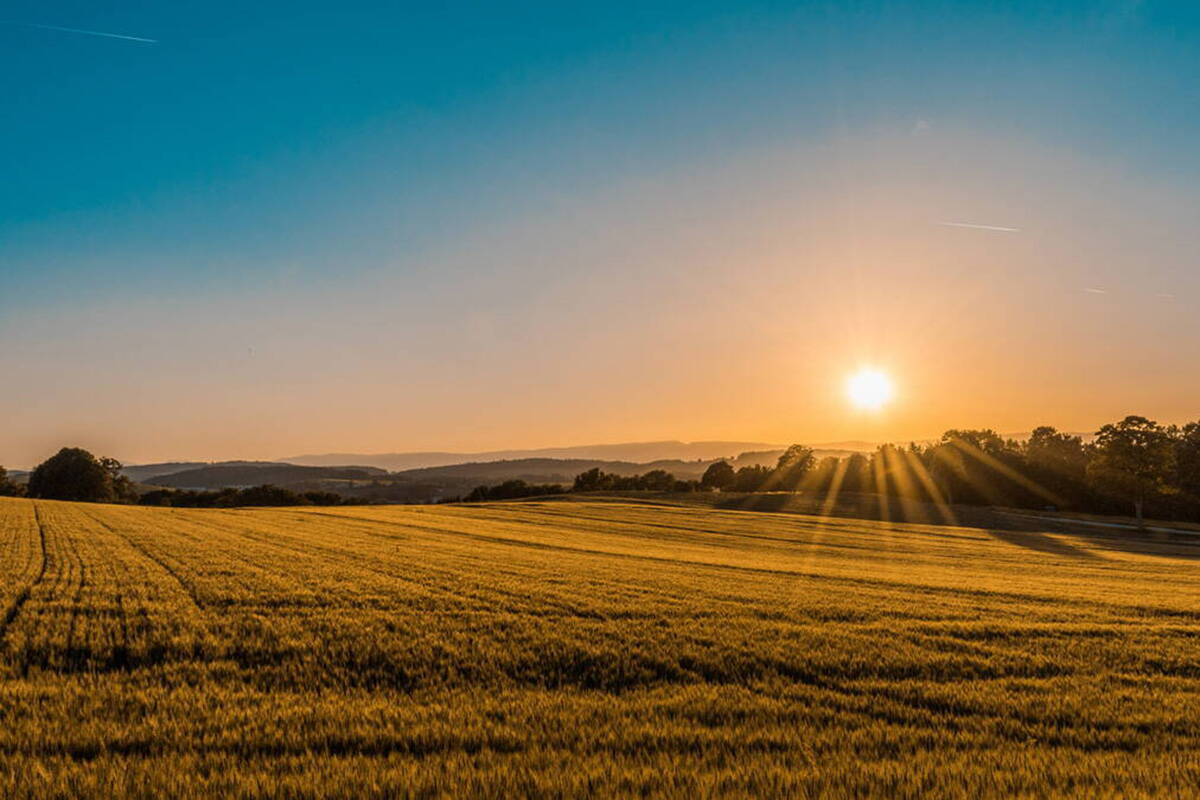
(574, 648)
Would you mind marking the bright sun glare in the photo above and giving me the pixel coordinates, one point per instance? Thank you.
(869, 389)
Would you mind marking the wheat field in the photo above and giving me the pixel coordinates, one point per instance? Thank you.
(569, 649)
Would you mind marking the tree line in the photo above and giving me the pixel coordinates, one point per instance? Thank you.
(1132, 466)
(264, 495)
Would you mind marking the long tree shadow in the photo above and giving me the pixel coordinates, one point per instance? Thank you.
(1043, 534)
(1147, 543)
(1043, 543)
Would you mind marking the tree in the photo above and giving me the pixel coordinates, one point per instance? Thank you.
(73, 474)
(981, 467)
(591, 481)
(750, 479)
(123, 490)
(857, 476)
(825, 474)
(1132, 458)
(656, 480)
(793, 465)
(1058, 462)
(719, 475)
(1187, 459)
(984, 440)
(8, 488)
(1059, 453)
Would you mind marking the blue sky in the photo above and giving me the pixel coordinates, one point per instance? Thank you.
(285, 152)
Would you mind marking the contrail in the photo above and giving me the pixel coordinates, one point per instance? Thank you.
(84, 32)
(980, 227)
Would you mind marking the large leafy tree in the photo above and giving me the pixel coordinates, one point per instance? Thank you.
(1133, 459)
(1058, 462)
(1187, 459)
(984, 440)
(751, 479)
(719, 475)
(75, 474)
(1059, 453)
(794, 464)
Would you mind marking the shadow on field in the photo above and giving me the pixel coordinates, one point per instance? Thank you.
(874, 507)
(1147, 543)
(1043, 543)
(1016, 528)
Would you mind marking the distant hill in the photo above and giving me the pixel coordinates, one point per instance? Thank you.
(564, 470)
(634, 452)
(252, 474)
(425, 484)
(145, 473)
(547, 470)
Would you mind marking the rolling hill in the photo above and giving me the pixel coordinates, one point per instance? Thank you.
(635, 452)
(146, 473)
(254, 474)
(427, 484)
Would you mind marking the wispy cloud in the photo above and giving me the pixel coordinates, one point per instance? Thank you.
(1095, 290)
(82, 31)
(980, 227)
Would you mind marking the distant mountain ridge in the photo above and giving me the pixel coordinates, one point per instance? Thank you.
(219, 476)
(640, 453)
(632, 452)
(145, 473)
(425, 484)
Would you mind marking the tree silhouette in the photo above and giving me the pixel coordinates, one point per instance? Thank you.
(1133, 459)
(1058, 462)
(751, 479)
(8, 488)
(793, 465)
(1187, 459)
(719, 475)
(73, 474)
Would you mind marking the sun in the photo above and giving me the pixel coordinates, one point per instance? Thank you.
(869, 389)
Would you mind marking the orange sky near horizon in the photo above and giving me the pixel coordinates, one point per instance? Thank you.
(718, 302)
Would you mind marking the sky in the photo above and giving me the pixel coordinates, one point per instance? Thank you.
(233, 230)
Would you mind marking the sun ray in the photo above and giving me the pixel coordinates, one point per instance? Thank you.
(1005, 470)
(881, 486)
(931, 487)
(910, 506)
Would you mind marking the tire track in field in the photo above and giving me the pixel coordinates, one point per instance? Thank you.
(187, 588)
(433, 591)
(458, 592)
(14, 610)
(77, 601)
(289, 541)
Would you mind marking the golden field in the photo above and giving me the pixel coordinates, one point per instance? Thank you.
(585, 648)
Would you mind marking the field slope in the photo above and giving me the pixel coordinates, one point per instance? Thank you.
(587, 649)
